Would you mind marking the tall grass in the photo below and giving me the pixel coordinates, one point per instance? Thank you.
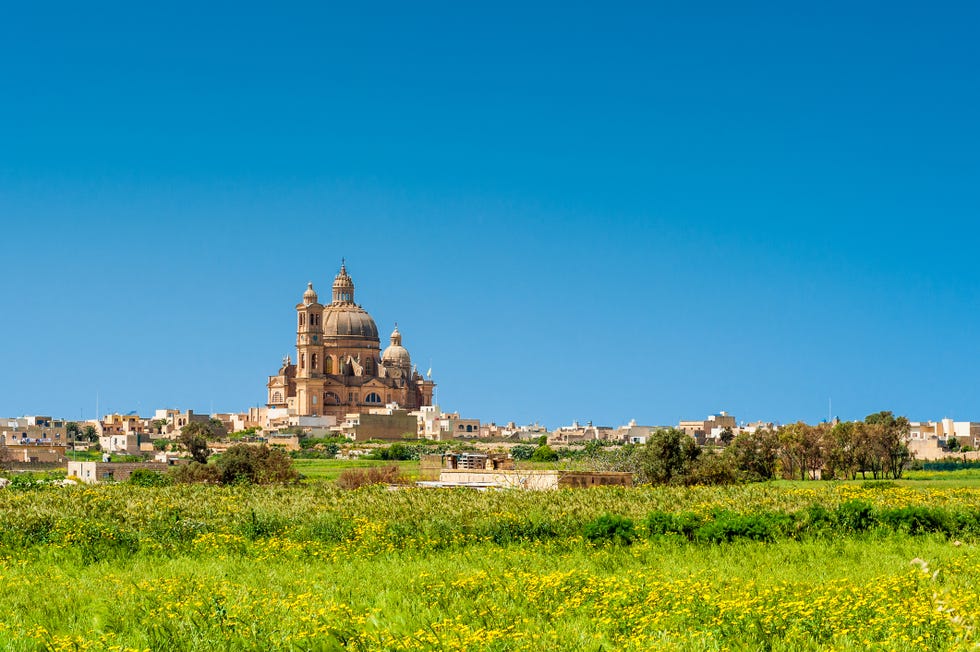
(318, 568)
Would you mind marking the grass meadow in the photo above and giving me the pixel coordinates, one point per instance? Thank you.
(330, 469)
(846, 566)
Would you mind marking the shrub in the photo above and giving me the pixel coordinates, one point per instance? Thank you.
(398, 452)
(878, 484)
(918, 520)
(522, 452)
(544, 453)
(815, 519)
(357, 478)
(659, 523)
(24, 482)
(242, 463)
(149, 478)
(856, 515)
(610, 528)
(728, 526)
(195, 472)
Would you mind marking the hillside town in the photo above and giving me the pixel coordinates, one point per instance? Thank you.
(44, 442)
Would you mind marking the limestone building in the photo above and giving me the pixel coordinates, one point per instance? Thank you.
(340, 367)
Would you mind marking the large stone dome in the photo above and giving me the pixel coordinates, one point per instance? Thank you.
(348, 320)
(343, 318)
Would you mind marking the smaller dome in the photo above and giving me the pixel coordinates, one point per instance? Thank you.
(396, 354)
(309, 297)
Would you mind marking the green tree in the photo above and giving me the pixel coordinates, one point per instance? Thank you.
(712, 468)
(842, 450)
(888, 435)
(802, 449)
(756, 454)
(667, 458)
(194, 438)
(90, 434)
(255, 465)
(217, 429)
(544, 453)
(522, 452)
(727, 436)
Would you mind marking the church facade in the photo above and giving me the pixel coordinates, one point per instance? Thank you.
(339, 366)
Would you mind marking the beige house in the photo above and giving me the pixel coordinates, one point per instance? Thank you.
(390, 425)
(709, 430)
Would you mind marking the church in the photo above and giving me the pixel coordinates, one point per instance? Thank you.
(340, 367)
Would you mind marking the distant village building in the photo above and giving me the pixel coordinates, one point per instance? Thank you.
(390, 424)
(634, 434)
(578, 434)
(709, 430)
(33, 430)
(339, 367)
(437, 425)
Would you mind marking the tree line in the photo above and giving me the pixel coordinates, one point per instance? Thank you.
(842, 450)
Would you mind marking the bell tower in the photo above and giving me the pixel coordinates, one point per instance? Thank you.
(309, 335)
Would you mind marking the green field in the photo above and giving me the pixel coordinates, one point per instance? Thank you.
(311, 567)
(326, 469)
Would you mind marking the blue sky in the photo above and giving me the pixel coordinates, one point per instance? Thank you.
(573, 211)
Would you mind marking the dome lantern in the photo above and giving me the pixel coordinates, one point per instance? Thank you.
(343, 286)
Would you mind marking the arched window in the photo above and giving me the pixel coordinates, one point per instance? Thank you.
(328, 365)
(302, 361)
(330, 398)
(313, 362)
(302, 319)
(373, 398)
(276, 397)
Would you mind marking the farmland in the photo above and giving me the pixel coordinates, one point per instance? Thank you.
(839, 565)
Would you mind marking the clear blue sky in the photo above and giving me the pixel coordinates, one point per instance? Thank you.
(591, 211)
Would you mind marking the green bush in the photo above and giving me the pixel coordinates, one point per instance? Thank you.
(660, 523)
(243, 463)
(918, 520)
(544, 453)
(610, 528)
(149, 478)
(855, 515)
(728, 526)
(878, 484)
(815, 519)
